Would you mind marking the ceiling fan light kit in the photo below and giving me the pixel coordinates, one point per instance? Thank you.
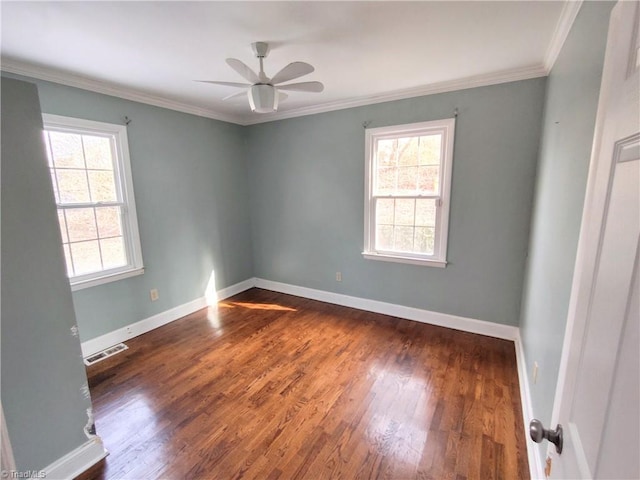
(264, 92)
(263, 99)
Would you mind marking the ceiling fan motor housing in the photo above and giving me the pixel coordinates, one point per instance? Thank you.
(263, 98)
(260, 49)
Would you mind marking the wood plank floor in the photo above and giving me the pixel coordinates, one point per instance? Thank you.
(272, 386)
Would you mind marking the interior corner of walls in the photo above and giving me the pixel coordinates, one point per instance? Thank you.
(239, 287)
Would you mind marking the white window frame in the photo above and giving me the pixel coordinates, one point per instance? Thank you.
(124, 190)
(445, 127)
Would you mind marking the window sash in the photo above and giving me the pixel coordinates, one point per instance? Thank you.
(123, 234)
(116, 159)
(375, 161)
(408, 253)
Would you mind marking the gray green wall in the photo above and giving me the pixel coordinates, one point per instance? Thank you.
(283, 201)
(191, 192)
(570, 111)
(307, 201)
(42, 370)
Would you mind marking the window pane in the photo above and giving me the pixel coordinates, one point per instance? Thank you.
(407, 180)
(426, 212)
(408, 165)
(81, 224)
(386, 152)
(430, 146)
(403, 239)
(97, 151)
(429, 180)
(408, 151)
(384, 211)
(63, 226)
(72, 185)
(67, 150)
(425, 240)
(384, 237)
(86, 257)
(103, 187)
(405, 211)
(113, 254)
(386, 180)
(67, 257)
(109, 221)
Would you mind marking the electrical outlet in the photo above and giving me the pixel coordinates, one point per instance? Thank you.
(535, 372)
(153, 293)
(338, 276)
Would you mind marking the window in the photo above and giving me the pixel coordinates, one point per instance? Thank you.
(91, 176)
(408, 179)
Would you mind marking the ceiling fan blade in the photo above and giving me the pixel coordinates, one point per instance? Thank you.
(242, 93)
(282, 96)
(244, 70)
(292, 71)
(303, 87)
(226, 84)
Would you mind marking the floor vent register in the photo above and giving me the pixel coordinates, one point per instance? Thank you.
(106, 353)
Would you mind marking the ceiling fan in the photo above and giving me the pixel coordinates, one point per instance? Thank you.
(263, 92)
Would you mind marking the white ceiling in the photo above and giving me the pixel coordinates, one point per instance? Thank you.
(363, 52)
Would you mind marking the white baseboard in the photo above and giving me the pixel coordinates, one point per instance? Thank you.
(133, 330)
(471, 325)
(236, 289)
(143, 326)
(76, 461)
(536, 469)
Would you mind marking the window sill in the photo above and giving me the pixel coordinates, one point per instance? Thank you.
(79, 285)
(401, 259)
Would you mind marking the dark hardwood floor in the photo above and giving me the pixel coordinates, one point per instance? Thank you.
(272, 386)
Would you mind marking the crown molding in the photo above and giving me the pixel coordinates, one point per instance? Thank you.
(495, 78)
(73, 80)
(563, 27)
(78, 81)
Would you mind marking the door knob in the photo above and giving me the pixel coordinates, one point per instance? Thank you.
(539, 433)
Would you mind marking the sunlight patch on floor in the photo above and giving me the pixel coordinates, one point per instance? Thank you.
(214, 320)
(263, 306)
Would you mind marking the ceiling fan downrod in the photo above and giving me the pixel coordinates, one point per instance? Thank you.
(261, 50)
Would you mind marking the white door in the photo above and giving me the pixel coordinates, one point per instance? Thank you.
(598, 400)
